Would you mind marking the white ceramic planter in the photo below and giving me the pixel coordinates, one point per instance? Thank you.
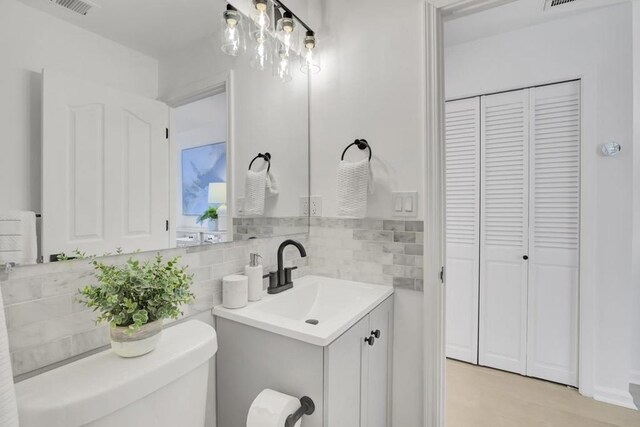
(213, 225)
(141, 342)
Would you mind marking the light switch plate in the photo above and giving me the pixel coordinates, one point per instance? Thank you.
(315, 205)
(404, 203)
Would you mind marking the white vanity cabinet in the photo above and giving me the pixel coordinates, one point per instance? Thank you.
(349, 380)
(357, 375)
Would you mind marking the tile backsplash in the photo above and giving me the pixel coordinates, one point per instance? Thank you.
(386, 252)
(248, 228)
(47, 326)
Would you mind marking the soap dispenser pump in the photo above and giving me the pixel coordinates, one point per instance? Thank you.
(254, 272)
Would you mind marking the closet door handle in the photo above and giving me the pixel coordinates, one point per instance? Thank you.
(370, 340)
(525, 257)
(376, 333)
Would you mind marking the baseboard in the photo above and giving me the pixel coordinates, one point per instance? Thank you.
(634, 378)
(614, 396)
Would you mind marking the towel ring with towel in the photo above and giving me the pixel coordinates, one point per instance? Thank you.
(265, 156)
(361, 144)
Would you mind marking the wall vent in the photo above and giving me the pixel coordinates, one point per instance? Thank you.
(78, 6)
(548, 4)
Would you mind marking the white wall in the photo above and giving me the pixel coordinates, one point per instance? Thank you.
(372, 86)
(210, 127)
(31, 40)
(635, 321)
(597, 47)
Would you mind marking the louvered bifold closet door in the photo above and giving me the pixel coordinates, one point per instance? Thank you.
(503, 231)
(462, 182)
(552, 351)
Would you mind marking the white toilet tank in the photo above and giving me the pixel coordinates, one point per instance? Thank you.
(164, 388)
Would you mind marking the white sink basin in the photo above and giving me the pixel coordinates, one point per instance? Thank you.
(335, 304)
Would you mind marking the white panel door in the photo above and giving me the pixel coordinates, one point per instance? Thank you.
(552, 351)
(105, 169)
(462, 183)
(504, 231)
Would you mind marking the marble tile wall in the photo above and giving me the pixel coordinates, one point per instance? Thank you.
(387, 252)
(46, 325)
(247, 228)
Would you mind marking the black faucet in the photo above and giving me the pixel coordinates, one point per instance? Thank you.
(281, 280)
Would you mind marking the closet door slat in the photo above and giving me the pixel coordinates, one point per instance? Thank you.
(504, 230)
(462, 175)
(552, 348)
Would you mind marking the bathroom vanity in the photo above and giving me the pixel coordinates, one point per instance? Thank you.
(326, 338)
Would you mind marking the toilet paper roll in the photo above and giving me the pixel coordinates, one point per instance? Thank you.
(271, 409)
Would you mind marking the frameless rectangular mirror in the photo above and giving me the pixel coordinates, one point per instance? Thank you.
(131, 130)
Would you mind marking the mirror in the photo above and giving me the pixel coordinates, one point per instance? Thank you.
(130, 130)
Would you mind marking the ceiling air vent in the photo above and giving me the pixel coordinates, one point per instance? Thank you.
(77, 6)
(548, 4)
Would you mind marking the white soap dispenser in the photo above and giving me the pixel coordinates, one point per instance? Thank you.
(254, 272)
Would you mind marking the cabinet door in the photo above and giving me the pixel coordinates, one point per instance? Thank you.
(345, 375)
(462, 183)
(504, 231)
(377, 395)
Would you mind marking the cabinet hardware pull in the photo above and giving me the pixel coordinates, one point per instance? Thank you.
(370, 340)
(525, 257)
(376, 333)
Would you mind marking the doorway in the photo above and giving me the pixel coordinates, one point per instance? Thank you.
(201, 153)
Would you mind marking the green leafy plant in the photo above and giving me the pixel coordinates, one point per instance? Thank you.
(210, 214)
(136, 293)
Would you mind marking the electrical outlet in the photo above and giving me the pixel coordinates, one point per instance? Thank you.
(315, 205)
(304, 206)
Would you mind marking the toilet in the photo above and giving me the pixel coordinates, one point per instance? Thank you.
(164, 388)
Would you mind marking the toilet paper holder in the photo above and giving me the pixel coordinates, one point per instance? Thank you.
(306, 408)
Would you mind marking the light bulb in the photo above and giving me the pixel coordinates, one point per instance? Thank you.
(232, 33)
(259, 15)
(261, 51)
(282, 67)
(310, 62)
(284, 31)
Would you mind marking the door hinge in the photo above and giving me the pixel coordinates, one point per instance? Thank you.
(442, 274)
(166, 225)
(167, 133)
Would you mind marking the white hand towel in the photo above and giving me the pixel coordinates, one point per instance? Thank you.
(18, 240)
(272, 185)
(255, 187)
(8, 405)
(354, 184)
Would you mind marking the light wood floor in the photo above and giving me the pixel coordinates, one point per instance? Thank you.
(484, 397)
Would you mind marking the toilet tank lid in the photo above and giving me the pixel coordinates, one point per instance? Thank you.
(90, 388)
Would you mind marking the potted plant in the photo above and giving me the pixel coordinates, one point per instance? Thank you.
(210, 214)
(135, 297)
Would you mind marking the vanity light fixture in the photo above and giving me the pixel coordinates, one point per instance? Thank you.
(232, 34)
(283, 37)
(310, 62)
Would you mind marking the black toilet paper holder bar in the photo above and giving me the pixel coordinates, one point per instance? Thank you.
(306, 408)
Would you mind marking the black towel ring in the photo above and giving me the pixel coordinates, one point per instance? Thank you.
(265, 156)
(361, 143)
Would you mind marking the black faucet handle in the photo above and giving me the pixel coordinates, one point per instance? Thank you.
(287, 274)
(273, 279)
